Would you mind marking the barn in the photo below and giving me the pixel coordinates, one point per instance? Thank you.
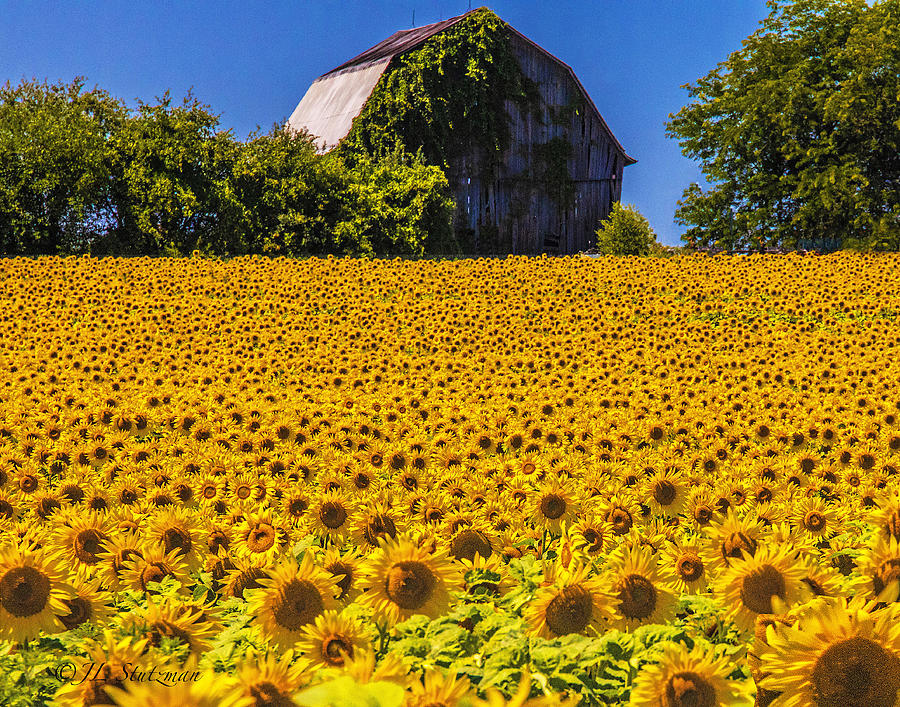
(514, 204)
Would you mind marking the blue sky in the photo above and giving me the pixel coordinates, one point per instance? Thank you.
(252, 62)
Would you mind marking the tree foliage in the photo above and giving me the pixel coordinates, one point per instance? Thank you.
(81, 172)
(625, 232)
(798, 132)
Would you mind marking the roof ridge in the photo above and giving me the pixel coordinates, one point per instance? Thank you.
(393, 46)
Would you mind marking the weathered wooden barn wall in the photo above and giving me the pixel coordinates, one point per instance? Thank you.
(512, 209)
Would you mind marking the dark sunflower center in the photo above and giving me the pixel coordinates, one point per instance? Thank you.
(814, 521)
(261, 538)
(758, 588)
(217, 539)
(333, 514)
(594, 539)
(335, 648)
(888, 572)
(166, 629)
(246, 580)
(79, 612)
(243, 491)
(736, 544)
(153, 572)
(469, 542)
(637, 597)
(268, 695)
(621, 520)
(410, 584)
(689, 690)
(177, 539)
(297, 604)
(127, 497)
(553, 506)
(24, 591)
(703, 514)
(690, 567)
(297, 507)
(88, 545)
(345, 572)
(379, 526)
(856, 672)
(570, 611)
(664, 492)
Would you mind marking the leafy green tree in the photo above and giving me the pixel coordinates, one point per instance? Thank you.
(798, 132)
(169, 165)
(625, 232)
(55, 166)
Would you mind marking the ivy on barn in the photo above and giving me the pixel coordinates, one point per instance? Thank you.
(446, 96)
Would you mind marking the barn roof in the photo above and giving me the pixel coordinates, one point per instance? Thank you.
(338, 96)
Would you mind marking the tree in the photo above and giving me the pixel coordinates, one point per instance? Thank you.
(54, 166)
(625, 232)
(798, 132)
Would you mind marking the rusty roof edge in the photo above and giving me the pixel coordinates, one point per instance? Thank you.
(628, 159)
(420, 34)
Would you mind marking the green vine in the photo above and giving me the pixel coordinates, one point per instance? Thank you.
(443, 97)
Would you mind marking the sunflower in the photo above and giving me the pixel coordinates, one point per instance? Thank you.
(271, 681)
(439, 690)
(469, 541)
(403, 578)
(842, 653)
(82, 543)
(112, 560)
(330, 514)
(174, 687)
(176, 529)
(591, 535)
(141, 572)
(665, 492)
(880, 565)
(486, 576)
(552, 505)
(240, 575)
(765, 583)
(290, 597)
(685, 561)
(730, 539)
(114, 656)
(256, 537)
(619, 512)
(332, 639)
(640, 591)
(374, 522)
(683, 678)
(89, 604)
(568, 601)
(32, 594)
(346, 568)
(173, 620)
(700, 507)
(814, 520)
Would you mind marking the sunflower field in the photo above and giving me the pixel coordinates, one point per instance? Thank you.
(521, 481)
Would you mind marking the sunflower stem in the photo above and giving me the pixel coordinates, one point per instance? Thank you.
(384, 640)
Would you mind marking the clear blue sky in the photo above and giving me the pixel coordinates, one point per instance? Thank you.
(253, 61)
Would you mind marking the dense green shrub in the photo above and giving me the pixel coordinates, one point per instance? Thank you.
(80, 172)
(626, 232)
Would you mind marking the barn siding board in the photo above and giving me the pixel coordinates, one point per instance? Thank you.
(506, 209)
